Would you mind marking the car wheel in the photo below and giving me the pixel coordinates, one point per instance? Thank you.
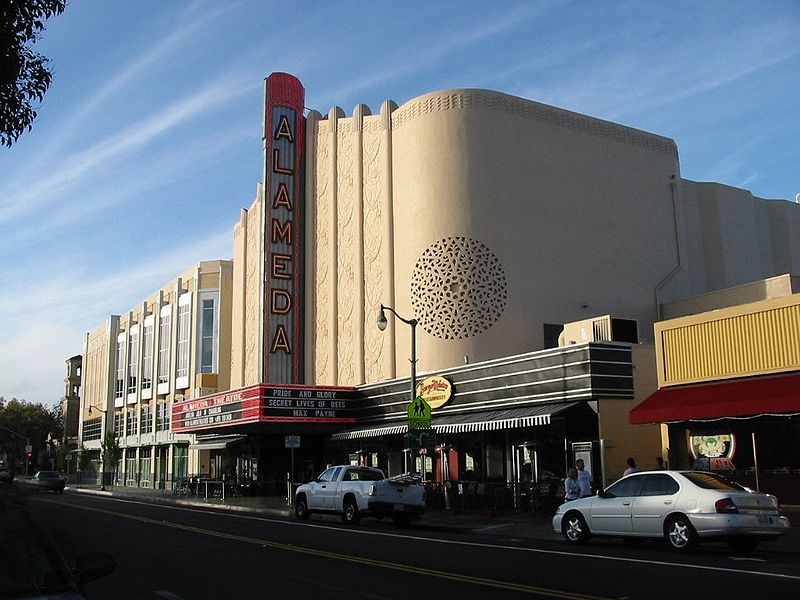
(574, 528)
(743, 545)
(350, 511)
(680, 534)
(301, 508)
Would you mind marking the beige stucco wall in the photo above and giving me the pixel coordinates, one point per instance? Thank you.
(580, 213)
(731, 238)
(621, 439)
(560, 199)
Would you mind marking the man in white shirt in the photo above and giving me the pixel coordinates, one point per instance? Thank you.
(584, 479)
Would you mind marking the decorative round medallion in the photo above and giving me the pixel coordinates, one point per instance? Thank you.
(458, 288)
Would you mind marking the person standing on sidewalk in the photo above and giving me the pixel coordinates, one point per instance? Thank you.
(572, 491)
(632, 468)
(584, 479)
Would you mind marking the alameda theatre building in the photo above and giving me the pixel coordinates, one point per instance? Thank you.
(533, 247)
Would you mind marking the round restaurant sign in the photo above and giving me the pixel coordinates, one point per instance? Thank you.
(436, 390)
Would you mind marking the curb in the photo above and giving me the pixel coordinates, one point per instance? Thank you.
(185, 503)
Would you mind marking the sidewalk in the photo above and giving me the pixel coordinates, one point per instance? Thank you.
(518, 526)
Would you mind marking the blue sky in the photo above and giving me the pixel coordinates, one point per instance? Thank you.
(148, 142)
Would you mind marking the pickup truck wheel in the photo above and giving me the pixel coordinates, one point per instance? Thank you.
(301, 508)
(350, 513)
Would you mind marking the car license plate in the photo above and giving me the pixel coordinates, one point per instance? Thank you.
(399, 507)
(764, 520)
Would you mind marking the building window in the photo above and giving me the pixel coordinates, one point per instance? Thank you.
(119, 387)
(147, 354)
(131, 472)
(146, 418)
(119, 423)
(164, 335)
(180, 462)
(208, 332)
(92, 429)
(144, 466)
(132, 422)
(162, 416)
(184, 323)
(133, 360)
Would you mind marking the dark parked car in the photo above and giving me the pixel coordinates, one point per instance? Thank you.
(6, 476)
(50, 480)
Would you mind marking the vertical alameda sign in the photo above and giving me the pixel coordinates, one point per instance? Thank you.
(284, 135)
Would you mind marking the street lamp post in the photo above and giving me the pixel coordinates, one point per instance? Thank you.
(102, 454)
(382, 322)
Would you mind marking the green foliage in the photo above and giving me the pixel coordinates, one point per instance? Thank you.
(111, 451)
(24, 74)
(84, 459)
(21, 420)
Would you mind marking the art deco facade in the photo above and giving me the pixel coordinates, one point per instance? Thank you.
(493, 221)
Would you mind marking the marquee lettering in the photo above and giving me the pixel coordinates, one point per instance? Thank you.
(284, 130)
(280, 341)
(281, 302)
(282, 197)
(281, 233)
(281, 266)
(276, 164)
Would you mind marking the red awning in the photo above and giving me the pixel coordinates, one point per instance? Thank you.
(749, 397)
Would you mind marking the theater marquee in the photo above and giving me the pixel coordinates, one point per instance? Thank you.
(267, 404)
(284, 137)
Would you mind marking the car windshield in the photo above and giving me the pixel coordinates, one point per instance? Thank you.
(712, 481)
(47, 474)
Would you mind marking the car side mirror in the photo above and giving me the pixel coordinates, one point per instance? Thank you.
(603, 494)
(94, 565)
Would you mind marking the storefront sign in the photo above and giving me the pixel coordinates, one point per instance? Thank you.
(284, 136)
(713, 452)
(436, 391)
(267, 404)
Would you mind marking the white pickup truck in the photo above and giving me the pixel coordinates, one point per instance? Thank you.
(352, 492)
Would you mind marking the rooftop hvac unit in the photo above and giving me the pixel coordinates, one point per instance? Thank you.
(600, 329)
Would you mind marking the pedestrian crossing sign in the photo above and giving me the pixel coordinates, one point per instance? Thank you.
(419, 414)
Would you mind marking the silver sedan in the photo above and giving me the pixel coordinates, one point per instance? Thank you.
(679, 506)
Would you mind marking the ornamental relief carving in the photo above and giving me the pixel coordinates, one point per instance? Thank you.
(458, 288)
(322, 265)
(528, 109)
(252, 302)
(373, 160)
(347, 236)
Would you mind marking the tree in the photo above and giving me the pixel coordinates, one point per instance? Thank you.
(21, 421)
(111, 453)
(24, 74)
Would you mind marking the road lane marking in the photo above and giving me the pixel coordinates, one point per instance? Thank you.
(285, 522)
(168, 595)
(490, 527)
(458, 577)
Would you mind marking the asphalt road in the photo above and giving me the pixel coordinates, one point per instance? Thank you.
(181, 553)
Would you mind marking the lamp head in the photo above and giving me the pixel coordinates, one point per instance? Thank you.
(382, 322)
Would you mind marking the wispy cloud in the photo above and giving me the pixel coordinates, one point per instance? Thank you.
(39, 319)
(26, 198)
(422, 54)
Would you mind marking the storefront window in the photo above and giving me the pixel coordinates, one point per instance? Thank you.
(180, 462)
